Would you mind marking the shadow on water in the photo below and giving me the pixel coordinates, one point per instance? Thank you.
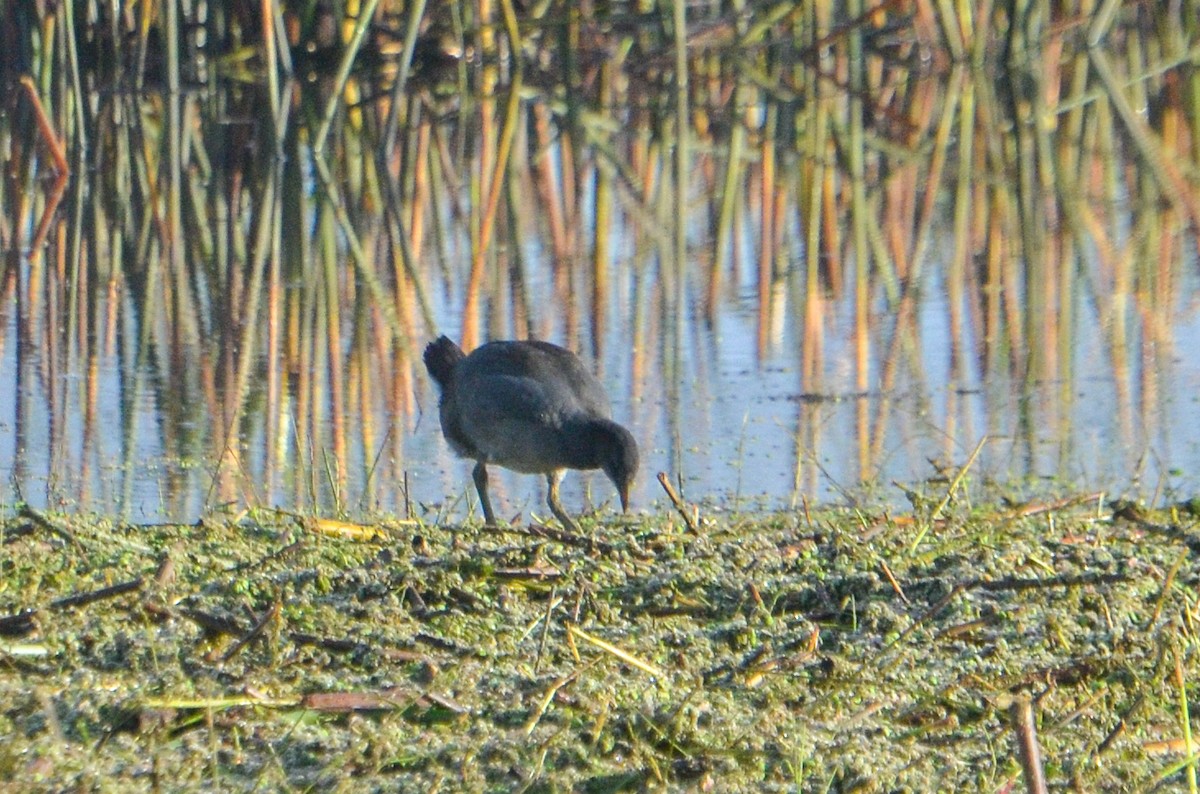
(845, 251)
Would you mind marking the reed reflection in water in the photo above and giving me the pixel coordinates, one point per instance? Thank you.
(229, 303)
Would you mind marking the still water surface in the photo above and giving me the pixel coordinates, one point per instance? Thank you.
(192, 329)
(740, 430)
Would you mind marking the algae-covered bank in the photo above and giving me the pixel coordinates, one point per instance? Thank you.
(821, 650)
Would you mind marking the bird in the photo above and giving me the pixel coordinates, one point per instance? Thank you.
(532, 407)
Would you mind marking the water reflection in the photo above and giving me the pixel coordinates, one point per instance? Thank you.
(206, 324)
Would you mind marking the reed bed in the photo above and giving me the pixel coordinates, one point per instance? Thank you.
(256, 218)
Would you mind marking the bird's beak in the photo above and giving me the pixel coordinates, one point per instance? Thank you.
(624, 491)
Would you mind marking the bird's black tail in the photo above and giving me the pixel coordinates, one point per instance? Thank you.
(440, 357)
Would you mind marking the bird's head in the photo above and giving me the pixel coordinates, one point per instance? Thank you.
(619, 459)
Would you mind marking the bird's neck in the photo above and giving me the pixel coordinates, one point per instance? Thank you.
(585, 441)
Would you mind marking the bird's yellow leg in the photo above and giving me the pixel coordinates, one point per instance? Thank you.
(556, 506)
(480, 476)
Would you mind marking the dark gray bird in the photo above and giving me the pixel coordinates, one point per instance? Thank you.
(530, 407)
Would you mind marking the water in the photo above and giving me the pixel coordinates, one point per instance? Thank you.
(737, 429)
(194, 334)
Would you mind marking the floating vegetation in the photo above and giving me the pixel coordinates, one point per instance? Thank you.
(809, 651)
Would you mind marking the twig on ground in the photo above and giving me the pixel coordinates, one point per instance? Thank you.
(1028, 750)
(688, 518)
(620, 653)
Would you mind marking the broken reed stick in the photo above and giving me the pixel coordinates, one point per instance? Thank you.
(892, 581)
(43, 521)
(1025, 728)
(547, 698)
(958, 478)
(620, 653)
(79, 599)
(688, 518)
(954, 483)
(559, 536)
(268, 616)
(551, 604)
(18, 623)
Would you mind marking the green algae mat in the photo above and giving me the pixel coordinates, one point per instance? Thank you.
(957, 647)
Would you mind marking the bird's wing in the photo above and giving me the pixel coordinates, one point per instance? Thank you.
(513, 421)
(567, 384)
